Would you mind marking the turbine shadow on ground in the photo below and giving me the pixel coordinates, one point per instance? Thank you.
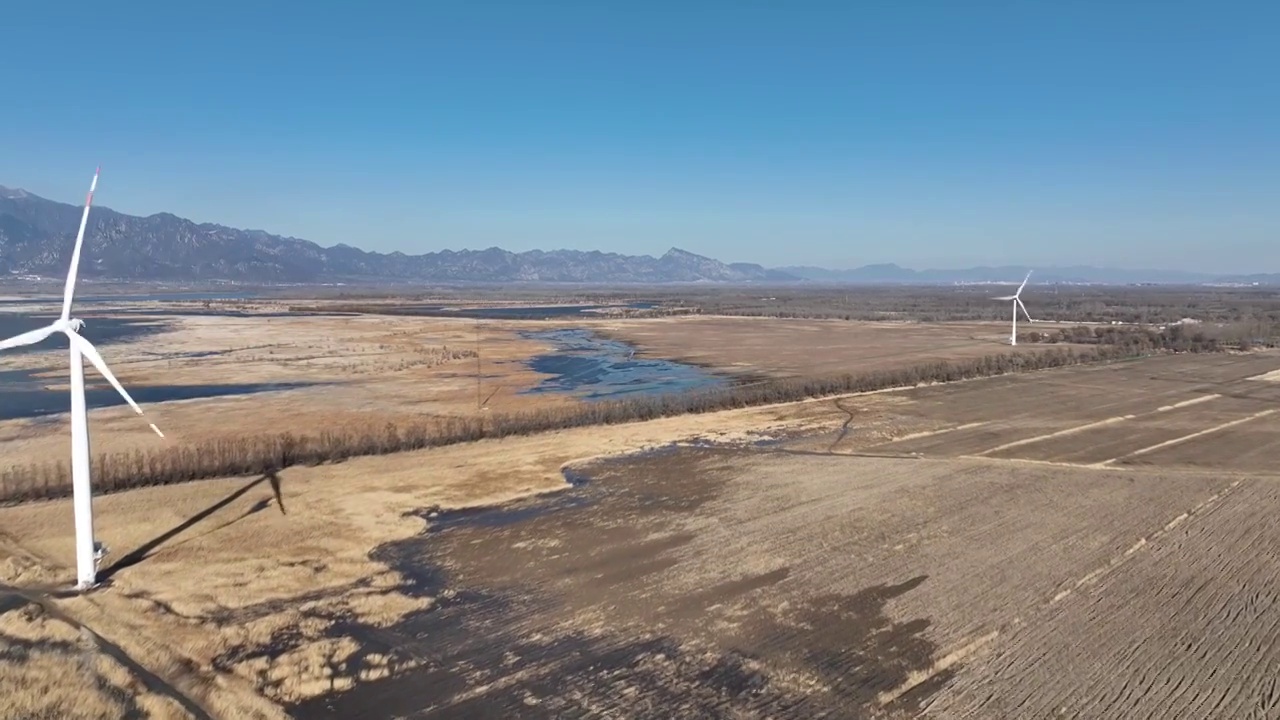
(145, 550)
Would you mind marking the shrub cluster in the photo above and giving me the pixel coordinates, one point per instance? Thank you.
(261, 454)
(1178, 338)
(1258, 308)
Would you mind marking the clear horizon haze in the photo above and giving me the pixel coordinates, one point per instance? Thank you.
(929, 134)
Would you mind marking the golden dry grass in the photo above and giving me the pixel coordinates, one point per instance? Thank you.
(313, 560)
(49, 669)
(806, 348)
(375, 369)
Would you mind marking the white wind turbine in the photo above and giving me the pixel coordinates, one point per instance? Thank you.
(86, 548)
(1017, 303)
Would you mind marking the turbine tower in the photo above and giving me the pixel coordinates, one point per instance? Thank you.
(1017, 303)
(82, 491)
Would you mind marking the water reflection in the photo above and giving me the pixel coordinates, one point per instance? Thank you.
(596, 368)
(24, 395)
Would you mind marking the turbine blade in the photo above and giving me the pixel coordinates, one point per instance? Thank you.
(1006, 297)
(87, 349)
(28, 338)
(70, 288)
(1024, 310)
(1024, 284)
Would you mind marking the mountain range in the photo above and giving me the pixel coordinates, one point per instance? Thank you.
(36, 235)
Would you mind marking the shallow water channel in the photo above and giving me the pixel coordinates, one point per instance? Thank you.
(597, 368)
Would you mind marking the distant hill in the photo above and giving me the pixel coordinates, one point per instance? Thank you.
(36, 235)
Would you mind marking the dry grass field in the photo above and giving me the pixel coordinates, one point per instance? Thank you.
(39, 653)
(788, 347)
(364, 371)
(1085, 542)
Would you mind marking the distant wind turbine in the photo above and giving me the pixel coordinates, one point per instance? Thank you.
(87, 554)
(1017, 303)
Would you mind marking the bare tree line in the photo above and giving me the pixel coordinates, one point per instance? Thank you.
(1178, 338)
(1084, 304)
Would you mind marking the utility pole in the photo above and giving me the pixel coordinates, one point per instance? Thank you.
(479, 402)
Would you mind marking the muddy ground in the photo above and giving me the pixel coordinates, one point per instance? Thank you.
(734, 584)
(946, 551)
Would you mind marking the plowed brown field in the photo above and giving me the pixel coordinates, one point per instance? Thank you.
(1132, 413)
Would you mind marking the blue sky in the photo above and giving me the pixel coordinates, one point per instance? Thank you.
(928, 133)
